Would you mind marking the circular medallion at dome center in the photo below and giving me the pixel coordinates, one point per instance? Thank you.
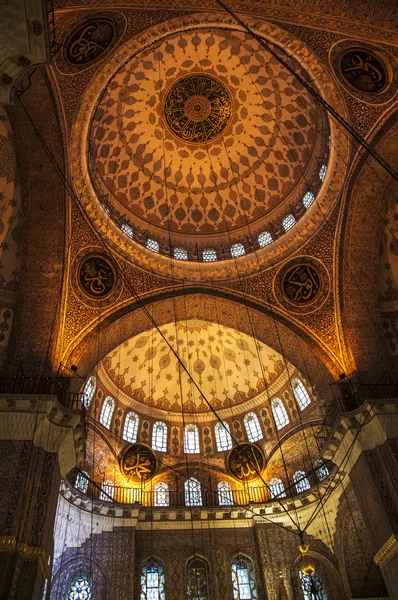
(197, 108)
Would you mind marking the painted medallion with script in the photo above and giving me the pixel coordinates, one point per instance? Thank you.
(138, 463)
(90, 40)
(364, 70)
(96, 277)
(301, 284)
(246, 461)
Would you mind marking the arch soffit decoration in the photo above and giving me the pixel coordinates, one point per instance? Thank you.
(361, 225)
(281, 248)
(301, 351)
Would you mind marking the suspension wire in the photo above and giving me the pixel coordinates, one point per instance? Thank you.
(312, 91)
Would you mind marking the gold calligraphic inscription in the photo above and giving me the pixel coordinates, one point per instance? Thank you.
(364, 70)
(90, 40)
(138, 463)
(197, 108)
(96, 277)
(246, 461)
(301, 284)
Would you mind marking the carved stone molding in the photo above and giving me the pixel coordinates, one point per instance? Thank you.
(387, 552)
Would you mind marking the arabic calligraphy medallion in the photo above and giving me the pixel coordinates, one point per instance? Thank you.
(197, 108)
(96, 277)
(301, 284)
(245, 461)
(364, 70)
(138, 463)
(90, 40)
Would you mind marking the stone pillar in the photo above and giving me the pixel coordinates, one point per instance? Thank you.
(39, 442)
(374, 479)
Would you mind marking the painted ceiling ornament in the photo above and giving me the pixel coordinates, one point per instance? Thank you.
(246, 461)
(302, 284)
(197, 108)
(138, 463)
(364, 70)
(89, 40)
(96, 277)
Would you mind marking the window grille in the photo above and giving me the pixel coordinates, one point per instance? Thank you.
(107, 411)
(312, 586)
(159, 436)
(243, 578)
(308, 199)
(198, 579)
(152, 580)
(180, 254)
(127, 230)
(300, 393)
(225, 495)
(80, 587)
(237, 250)
(89, 391)
(209, 255)
(223, 436)
(107, 491)
(81, 482)
(152, 245)
(130, 429)
(279, 413)
(288, 222)
(322, 172)
(191, 439)
(193, 492)
(264, 239)
(322, 470)
(301, 482)
(161, 494)
(276, 488)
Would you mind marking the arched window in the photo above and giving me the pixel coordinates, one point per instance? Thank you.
(288, 222)
(191, 439)
(198, 578)
(237, 250)
(301, 481)
(300, 393)
(264, 239)
(279, 412)
(193, 492)
(152, 245)
(243, 578)
(127, 230)
(225, 496)
(130, 429)
(312, 586)
(159, 436)
(322, 172)
(152, 579)
(276, 488)
(180, 254)
(161, 494)
(89, 390)
(80, 587)
(209, 255)
(308, 199)
(107, 491)
(252, 427)
(321, 468)
(81, 482)
(107, 411)
(223, 436)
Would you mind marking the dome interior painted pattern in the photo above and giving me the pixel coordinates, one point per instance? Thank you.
(229, 367)
(223, 189)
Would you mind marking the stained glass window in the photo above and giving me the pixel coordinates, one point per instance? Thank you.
(159, 436)
(243, 578)
(152, 579)
(301, 481)
(209, 255)
(127, 230)
(89, 390)
(276, 488)
(308, 199)
(180, 254)
(279, 413)
(152, 245)
(80, 587)
(191, 439)
(225, 496)
(264, 239)
(300, 393)
(322, 470)
(161, 494)
(81, 482)
(322, 172)
(252, 427)
(107, 411)
(198, 579)
(312, 586)
(223, 436)
(130, 429)
(237, 250)
(107, 491)
(288, 222)
(193, 492)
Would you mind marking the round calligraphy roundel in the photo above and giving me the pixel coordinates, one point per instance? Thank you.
(364, 70)
(89, 40)
(302, 284)
(245, 461)
(138, 462)
(197, 108)
(96, 277)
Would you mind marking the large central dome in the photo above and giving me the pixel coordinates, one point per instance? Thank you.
(204, 138)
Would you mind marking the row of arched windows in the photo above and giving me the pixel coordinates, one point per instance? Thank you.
(193, 489)
(191, 431)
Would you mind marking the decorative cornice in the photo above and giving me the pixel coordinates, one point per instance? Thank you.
(387, 551)
(9, 544)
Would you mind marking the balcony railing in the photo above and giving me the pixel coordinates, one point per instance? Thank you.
(43, 386)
